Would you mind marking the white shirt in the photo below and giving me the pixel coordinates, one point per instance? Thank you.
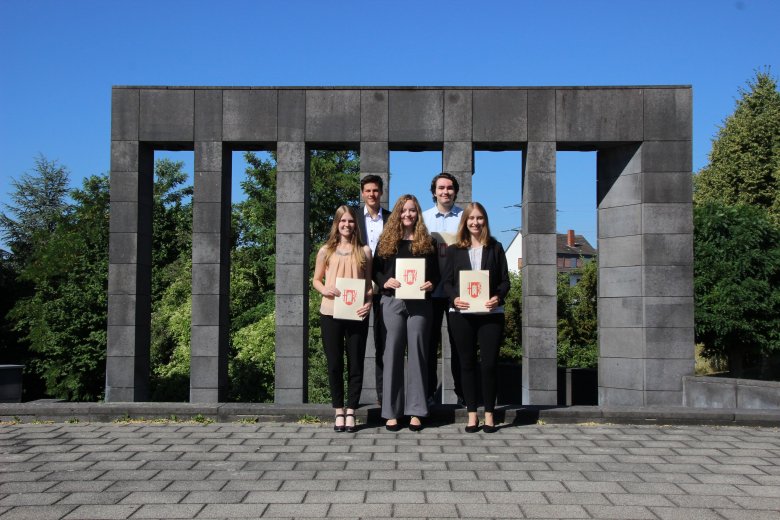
(438, 222)
(374, 227)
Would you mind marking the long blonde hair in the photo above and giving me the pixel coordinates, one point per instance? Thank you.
(332, 242)
(463, 235)
(393, 231)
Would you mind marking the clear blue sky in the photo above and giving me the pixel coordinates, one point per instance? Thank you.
(59, 59)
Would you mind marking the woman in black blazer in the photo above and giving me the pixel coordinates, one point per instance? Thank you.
(475, 249)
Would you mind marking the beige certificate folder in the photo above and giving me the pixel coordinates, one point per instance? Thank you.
(353, 292)
(411, 273)
(475, 289)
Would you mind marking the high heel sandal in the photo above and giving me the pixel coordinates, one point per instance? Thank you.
(473, 429)
(337, 428)
(353, 427)
(393, 427)
(416, 427)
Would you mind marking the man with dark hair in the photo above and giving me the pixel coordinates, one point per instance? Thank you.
(442, 221)
(370, 223)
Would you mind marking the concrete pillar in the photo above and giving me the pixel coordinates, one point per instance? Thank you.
(539, 275)
(292, 272)
(210, 329)
(130, 264)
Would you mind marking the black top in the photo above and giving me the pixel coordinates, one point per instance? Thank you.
(493, 260)
(384, 268)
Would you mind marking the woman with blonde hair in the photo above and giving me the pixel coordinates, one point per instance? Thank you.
(343, 256)
(407, 321)
(475, 249)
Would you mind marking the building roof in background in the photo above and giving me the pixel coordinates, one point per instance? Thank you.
(581, 246)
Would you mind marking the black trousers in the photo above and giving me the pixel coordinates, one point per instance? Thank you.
(483, 331)
(440, 307)
(339, 336)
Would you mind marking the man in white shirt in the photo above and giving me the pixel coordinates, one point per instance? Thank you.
(371, 223)
(442, 221)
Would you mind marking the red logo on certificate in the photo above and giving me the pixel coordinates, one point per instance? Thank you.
(349, 296)
(475, 289)
(410, 276)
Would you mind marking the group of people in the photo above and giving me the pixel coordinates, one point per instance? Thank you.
(407, 331)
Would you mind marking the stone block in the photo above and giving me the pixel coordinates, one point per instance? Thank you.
(290, 248)
(167, 115)
(204, 372)
(626, 190)
(539, 311)
(374, 158)
(124, 156)
(290, 310)
(124, 340)
(539, 248)
(626, 373)
(208, 115)
(130, 217)
(672, 249)
(620, 160)
(620, 221)
(598, 115)
(663, 397)
(249, 115)
(333, 116)
(119, 372)
(674, 311)
(123, 308)
(668, 114)
(668, 280)
(206, 395)
(500, 116)
(208, 217)
(291, 156)
(208, 156)
(373, 115)
(457, 115)
(705, 392)
(289, 395)
(538, 187)
(206, 309)
(539, 280)
(667, 218)
(667, 374)
(539, 157)
(538, 217)
(616, 282)
(209, 279)
(622, 342)
(291, 341)
(620, 251)
(667, 187)
(290, 372)
(291, 217)
(131, 187)
(620, 396)
(667, 156)
(541, 115)
(464, 181)
(620, 312)
(540, 397)
(540, 373)
(458, 157)
(123, 248)
(128, 279)
(758, 395)
(291, 122)
(291, 186)
(291, 279)
(211, 186)
(416, 116)
(539, 342)
(207, 248)
(670, 342)
(124, 114)
(205, 340)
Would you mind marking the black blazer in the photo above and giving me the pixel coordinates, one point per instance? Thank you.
(362, 222)
(493, 260)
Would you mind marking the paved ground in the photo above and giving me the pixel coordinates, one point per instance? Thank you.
(273, 470)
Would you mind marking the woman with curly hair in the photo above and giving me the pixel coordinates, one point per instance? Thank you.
(343, 256)
(407, 321)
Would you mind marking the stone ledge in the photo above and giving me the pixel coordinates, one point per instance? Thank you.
(726, 392)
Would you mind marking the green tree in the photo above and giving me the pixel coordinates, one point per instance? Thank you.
(577, 318)
(736, 284)
(512, 346)
(744, 164)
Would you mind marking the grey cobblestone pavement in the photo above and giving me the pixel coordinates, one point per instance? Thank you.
(288, 470)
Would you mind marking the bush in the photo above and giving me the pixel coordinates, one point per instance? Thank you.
(251, 366)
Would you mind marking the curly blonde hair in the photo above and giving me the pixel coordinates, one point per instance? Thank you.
(393, 233)
(332, 242)
(464, 235)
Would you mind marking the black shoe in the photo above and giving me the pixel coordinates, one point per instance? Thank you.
(353, 428)
(489, 428)
(473, 429)
(393, 427)
(416, 427)
(341, 428)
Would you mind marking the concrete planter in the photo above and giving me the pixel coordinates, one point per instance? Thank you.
(11, 383)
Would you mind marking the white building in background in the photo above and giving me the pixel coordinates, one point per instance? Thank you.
(514, 254)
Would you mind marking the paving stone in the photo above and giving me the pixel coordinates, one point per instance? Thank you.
(751, 514)
(577, 498)
(54, 512)
(627, 499)
(334, 497)
(453, 497)
(678, 513)
(362, 485)
(95, 498)
(194, 485)
(297, 510)
(425, 485)
(270, 497)
(158, 497)
(425, 510)
(621, 512)
(553, 511)
(311, 485)
(232, 511)
(101, 512)
(368, 510)
(489, 510)
(168, 511)
(31, 499)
